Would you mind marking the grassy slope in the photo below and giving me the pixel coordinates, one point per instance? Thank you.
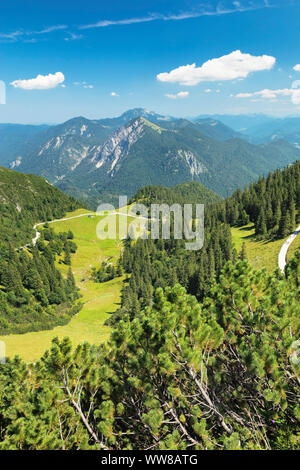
(98, 299)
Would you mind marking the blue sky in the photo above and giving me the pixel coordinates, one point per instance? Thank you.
(100, 58)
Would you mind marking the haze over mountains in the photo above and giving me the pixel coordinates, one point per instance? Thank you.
(13, 138)
(96, 160)
(260, 128)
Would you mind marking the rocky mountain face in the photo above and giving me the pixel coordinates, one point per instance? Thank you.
(60, 149)
(110, 154)
(142, 153)
(136, 154)
(97, 160)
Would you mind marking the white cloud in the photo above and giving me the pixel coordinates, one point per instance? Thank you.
(195, 13)
(183, 94)
(11, 36)
(208, 90)
(83, 84)
(296, 84)
(48, 30)
(41, 82)
(73, 37)
(297, 68)
(180, 95)
(113, 93)
(22, 35)
(243, 95)
(293, 93)
(228, 67)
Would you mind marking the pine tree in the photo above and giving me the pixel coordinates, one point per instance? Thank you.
(71, 281)
(285, 227)
(67, 257)
(243, 254)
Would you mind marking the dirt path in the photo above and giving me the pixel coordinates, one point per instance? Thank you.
(285, 247)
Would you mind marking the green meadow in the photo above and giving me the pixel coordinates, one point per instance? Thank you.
(260, 254)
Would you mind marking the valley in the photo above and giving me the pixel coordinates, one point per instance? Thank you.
(151, 313)
(98, 299)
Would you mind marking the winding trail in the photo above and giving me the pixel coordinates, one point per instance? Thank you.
(38, 234)
(285, 247)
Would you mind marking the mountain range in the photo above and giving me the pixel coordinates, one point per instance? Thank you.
(13, 140)
(96, 160)
(260, 128)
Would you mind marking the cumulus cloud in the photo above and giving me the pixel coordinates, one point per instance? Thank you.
(208, 90)
(297, 68)
(113, 93)
(228, 67)
(180, 95)
(292, 93)
(41, 82)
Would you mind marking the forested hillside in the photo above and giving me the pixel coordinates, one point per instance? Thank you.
(26, 200)
(185, 193)
(33, 294)
(202, 353)
(272, 202)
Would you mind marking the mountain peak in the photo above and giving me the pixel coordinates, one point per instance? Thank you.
(137, 112)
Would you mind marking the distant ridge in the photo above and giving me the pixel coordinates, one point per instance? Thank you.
(96, 160)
